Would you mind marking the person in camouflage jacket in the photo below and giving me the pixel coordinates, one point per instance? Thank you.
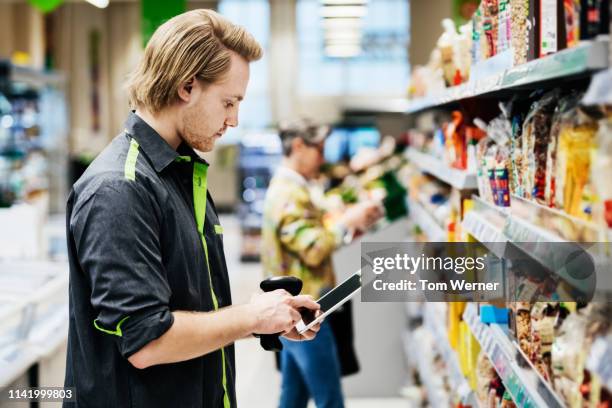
(295, 242)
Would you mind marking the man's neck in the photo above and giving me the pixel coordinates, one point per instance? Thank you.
(163, 125)
(291, 164)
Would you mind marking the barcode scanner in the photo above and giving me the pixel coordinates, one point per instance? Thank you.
(291, 284)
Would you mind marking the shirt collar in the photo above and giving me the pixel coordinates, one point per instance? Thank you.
(185, 151)
(286, 172)
(154, 146)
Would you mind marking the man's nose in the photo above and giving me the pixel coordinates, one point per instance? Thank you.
(232, 120)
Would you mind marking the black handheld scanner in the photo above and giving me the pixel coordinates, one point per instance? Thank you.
(291, 284)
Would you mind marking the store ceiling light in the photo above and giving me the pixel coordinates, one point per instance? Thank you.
(342, 23)
(343, 40)
(98, 3)
(343, 11)
(343, 35)
(342, 51)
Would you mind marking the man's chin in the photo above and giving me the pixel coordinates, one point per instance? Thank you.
(203, 147)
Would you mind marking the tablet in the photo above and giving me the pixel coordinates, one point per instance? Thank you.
(331, 301)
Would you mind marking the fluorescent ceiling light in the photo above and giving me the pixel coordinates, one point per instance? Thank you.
(342, 51)
(344, 2)
(342, 23)
(350, 42)
(98, 3)
(343, 11)
(343, 35)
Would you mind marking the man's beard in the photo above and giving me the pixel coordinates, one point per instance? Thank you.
(193, 137)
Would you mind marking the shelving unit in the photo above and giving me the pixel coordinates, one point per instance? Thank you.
(527, 387)
(582, 60)
(419, 215)
(432, 322)
(456, 178)
(532, 228)
(432, 382)
(525, 224)
(34, 316)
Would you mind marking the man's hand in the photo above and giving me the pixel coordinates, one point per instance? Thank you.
(194, 334)
(277, 311)
(362, 215)
(308, 335)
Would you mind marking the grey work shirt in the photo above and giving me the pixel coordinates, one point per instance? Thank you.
(136, 254)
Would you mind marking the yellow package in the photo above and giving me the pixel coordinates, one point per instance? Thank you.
(455, 313)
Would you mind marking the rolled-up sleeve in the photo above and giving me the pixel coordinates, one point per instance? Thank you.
(116, 232)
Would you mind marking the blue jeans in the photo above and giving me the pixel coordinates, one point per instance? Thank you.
(311, 369)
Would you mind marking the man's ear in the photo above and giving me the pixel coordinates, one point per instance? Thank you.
(184, 91)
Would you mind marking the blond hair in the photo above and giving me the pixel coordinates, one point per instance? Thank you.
(197, 44)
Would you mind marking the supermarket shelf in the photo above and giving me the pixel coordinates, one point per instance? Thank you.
(459, 179)
(587, 57)
(532, 227)
(34, 297)
(15, 361)
(432, 322)
(485, 231)
(526, 221)
(419, 215)
(432, 382)
(521, 379)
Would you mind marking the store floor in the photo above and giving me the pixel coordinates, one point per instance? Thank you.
(258, 381)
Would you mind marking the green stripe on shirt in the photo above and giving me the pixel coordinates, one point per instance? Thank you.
(129, 170)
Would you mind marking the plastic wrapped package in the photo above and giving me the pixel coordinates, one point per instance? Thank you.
(446, 46)
(499, 129)
(571, 16)
(573, 165)
(463, 47)
(504, 36)
(455, 141)
(473, 135)
(568, 359)
(516, 156)
(601, 173)
(522, 325)
(484, 185)
(490, 25)
(543, 316)
(536, 135)
(476, 48)
(487, 379)
(519, 23)
(598, 325)
(563, 113)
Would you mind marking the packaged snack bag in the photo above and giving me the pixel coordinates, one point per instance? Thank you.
(601, 173)
(563, 113)
(536, 135)
(573, 165)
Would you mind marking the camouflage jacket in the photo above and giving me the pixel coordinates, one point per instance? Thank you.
(294, 240)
